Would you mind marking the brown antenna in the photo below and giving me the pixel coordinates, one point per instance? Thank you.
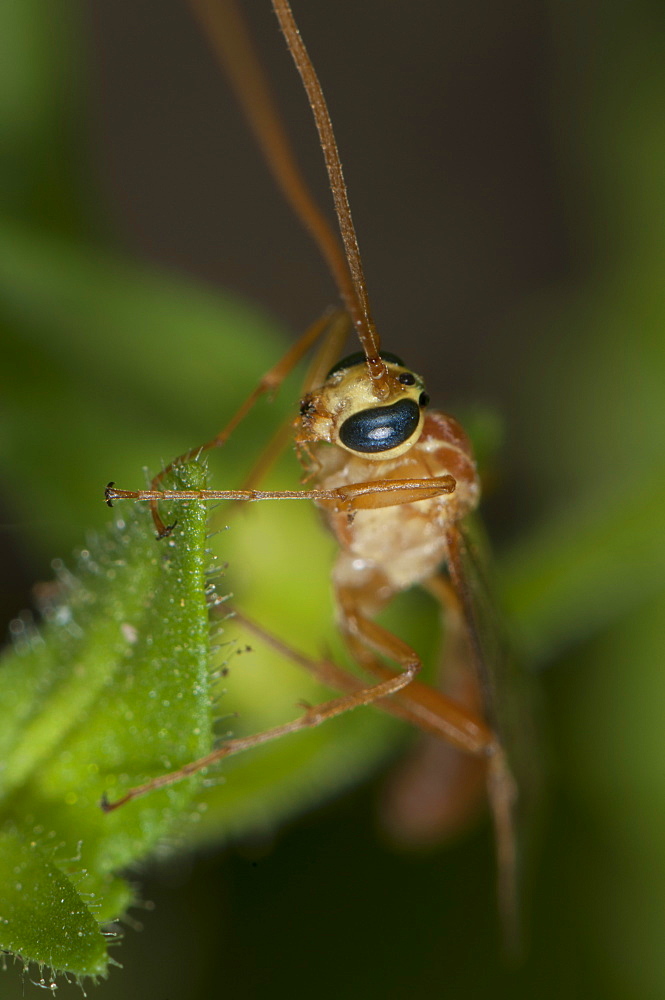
(228, 35)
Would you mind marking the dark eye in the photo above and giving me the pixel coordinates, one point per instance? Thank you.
(406, 378)
(423, 399)
(381, 428)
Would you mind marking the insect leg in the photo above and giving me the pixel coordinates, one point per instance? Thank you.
(435, 792)
(381, 493)
(418, 704)
(422, 705)
(325, 357)
(269, 383)
(313, 716)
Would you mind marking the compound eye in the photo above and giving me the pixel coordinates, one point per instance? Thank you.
(381, 428)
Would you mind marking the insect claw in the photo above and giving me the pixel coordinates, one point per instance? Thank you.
(165, 530)
(109, 495)
(311, 716)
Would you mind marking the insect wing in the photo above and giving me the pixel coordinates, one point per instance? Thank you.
(508, 703)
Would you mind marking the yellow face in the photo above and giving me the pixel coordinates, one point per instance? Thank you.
(345, 410)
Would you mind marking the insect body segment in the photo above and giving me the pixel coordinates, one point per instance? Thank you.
(404, 541)
(345, 411)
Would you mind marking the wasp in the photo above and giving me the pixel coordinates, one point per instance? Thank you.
(394, 479)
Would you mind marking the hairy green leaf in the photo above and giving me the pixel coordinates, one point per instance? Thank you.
(114, 689)
(44, 918)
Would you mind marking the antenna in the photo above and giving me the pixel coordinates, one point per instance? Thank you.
(230, 39)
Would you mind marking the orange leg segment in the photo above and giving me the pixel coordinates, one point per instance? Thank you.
(314, 716)
(420, 707)
(332, 324)
(356, 496)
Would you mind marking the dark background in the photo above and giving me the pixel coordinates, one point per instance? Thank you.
(504, 167)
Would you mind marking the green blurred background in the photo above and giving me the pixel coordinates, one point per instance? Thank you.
(505, 165)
